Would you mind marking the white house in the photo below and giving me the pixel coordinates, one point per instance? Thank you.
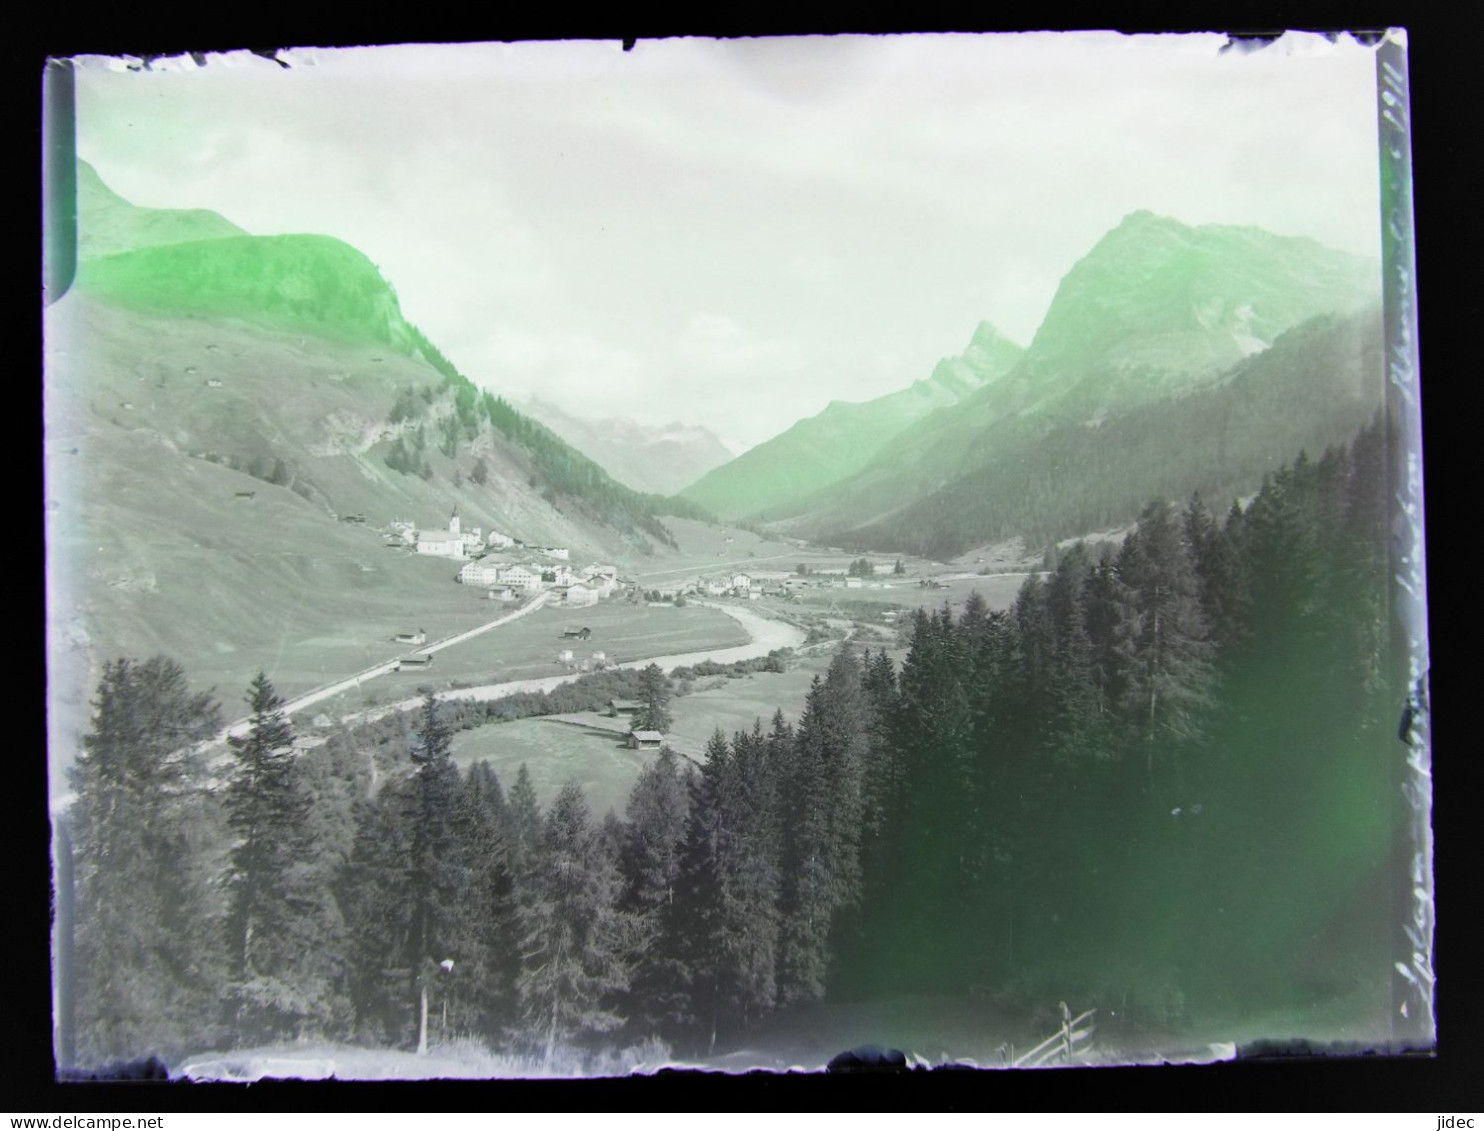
(484, 572)
(498, 541)
(561, 553)
(473, 539)
(741, 582)
(579, 595)
(717, 588)
(519, 577)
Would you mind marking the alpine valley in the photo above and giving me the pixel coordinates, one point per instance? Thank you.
(742, 776)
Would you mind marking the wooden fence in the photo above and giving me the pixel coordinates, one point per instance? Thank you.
(1071, 1041)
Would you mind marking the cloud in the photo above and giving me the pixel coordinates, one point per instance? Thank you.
(715, 345)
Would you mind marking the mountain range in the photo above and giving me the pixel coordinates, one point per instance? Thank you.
(654, 459)
(1155, 314)
(840, 441)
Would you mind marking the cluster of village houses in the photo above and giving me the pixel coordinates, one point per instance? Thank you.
(508, 580)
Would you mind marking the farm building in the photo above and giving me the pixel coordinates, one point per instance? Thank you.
(578, 595)
(504, 593)
(619, 707)
(561, 553)
(414, 662)
(645, 740)
(576, 632)
(418, 637)
(564, 656)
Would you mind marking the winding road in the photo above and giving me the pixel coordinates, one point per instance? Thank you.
(308, 699)
(767, 635)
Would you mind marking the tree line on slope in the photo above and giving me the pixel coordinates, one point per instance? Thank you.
(1046, 478)
(1162, 782)
(559, 468)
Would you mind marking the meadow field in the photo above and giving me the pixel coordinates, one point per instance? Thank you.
(554, 754)
(527, 648)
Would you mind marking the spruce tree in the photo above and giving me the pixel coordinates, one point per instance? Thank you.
(726, 903)
(267, 812)
(142, 980)
(652, 843)
(379, 901)
(479, 990)
(573, 937)
(654, 694)
(1164, 640)
(438, 872)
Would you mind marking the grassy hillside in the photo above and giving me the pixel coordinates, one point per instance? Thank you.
(108, 224)
(305, 282)
(154, 426)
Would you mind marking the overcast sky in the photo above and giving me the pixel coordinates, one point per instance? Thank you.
(735, 233)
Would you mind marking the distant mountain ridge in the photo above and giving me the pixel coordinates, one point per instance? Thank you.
(843, 439)
(1155, 311)
(108, 224)
(657, 460)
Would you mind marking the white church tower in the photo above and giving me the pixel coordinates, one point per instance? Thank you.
(453, 521)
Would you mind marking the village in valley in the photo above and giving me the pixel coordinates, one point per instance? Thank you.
(546, 621)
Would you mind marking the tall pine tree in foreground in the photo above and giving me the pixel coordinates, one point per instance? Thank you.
(266, 811)
(573, 937)
(652, 842)
(143, 980)
(438, 873)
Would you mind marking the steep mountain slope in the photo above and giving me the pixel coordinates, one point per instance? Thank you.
(1156, 310)
(212, 408)
(843, 439)
(1318, 385)
(107, 223)
(658, 461)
